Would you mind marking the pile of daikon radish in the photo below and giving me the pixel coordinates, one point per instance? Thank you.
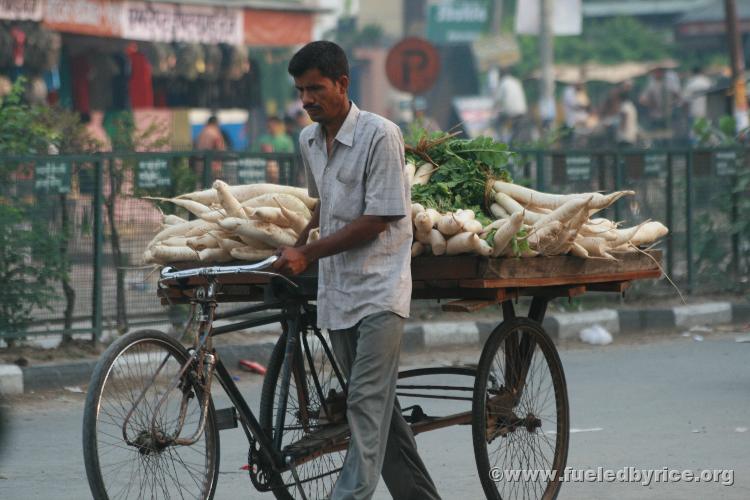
(245, 222)
(530, 223)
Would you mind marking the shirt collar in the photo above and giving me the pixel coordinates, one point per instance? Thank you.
(345, 134)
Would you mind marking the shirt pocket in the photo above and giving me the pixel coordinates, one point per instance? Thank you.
(348, 203)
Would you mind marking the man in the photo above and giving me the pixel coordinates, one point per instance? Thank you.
(354, 161)
(510, 106)
(694, 94)
(276, 140)
(210, 138)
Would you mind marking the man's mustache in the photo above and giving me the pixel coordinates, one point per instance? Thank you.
(308, 108)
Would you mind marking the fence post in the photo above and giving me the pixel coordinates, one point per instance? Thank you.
(734, 216)
(689, 218)
(96, 306)
(670, 215)
(618, 184)
(207, 166)
(540, 170)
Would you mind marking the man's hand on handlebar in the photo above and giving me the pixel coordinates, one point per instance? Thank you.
(291, 261)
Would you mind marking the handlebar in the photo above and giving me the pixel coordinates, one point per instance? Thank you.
(170, 273)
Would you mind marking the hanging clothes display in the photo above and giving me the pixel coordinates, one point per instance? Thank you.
(81, 71)
(140, 87)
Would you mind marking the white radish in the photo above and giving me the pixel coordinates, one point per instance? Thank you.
(423, 223)
(411, 169)
(578, 251)
(172, 219)
(247, 241)
(529, 196)
(213, 215)
(244, 192)
(164, 254)
(596, 247)
(272, 215)
(511, 206)
(448, 225)
(275, 199)
(505, 233)
(296, 221)
(649, 233)
(202, 242)
(416, 208)
(545, 236)
(473, 226)
(251, 254)
(228, 244)
(417, 248)
(175, 230)
(423, 173)
(437, 242)
(174, 241)
(466, 243)
(227, 200)
(314, 235)
(491, 226)
(498, 212)
(269, 234)
(565, 212)
(214, 255)
(191, 206)
(435, 216)
(463, 216)
(201, 229)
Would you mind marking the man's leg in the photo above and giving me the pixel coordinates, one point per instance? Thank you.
(369, 355)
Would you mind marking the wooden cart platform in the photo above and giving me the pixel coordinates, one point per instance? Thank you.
(474, 281)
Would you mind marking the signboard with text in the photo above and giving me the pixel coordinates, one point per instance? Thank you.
(452, 21)
(249, 170)
(153, 174)
(578, 167)
(52, 177)
(725, 163)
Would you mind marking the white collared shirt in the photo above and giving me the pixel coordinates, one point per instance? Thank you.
(365, 175)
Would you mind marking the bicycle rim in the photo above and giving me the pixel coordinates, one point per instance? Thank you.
(525, 436)
(144, 366)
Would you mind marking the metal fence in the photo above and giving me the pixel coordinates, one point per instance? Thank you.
(93, 205)
(95, 202)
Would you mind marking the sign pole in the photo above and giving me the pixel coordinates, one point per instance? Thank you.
(546, 56)
(738, 66)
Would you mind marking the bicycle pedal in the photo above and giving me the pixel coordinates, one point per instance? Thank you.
(226, 418)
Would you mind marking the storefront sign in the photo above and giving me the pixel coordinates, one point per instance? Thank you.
(163, 22)
(578, 168)
(476, 115)
(153, 174)
(725, 163)
(249, 170)
(52, 177)
(85, 17)
(452, 21)
(413, 65)
(21, 10)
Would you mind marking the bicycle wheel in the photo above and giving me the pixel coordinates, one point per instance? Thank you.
(310, 385)
(145, 362)
(520, 411)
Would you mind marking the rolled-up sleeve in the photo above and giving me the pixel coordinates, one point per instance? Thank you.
(384, 182)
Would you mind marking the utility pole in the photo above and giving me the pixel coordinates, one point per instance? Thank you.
(497, 17)
(738, 65)
(546, 56)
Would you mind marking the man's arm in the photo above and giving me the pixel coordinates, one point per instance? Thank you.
(361, 230)
(314, 222)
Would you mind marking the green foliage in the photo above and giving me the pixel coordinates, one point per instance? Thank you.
(465, 170)
(29, 267)
(608, 41)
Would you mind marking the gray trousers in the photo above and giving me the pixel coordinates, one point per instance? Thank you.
(381, 440)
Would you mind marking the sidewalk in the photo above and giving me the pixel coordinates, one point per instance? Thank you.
(426, 335)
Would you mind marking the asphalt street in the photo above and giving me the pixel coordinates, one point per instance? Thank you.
(671, 402)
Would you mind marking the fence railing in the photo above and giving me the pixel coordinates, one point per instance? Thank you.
(91, 208)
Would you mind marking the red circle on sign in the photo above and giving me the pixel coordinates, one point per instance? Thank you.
(412, 65)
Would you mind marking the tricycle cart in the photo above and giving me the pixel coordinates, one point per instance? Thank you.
(150, 427)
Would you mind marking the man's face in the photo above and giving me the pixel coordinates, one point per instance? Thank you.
(322, 98)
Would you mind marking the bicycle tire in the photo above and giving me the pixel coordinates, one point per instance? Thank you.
(116, 469)
(520, 427)
(319, 474)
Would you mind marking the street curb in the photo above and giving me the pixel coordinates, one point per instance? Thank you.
(420, 337)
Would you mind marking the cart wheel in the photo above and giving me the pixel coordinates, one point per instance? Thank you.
(314, 380)
(520, 416)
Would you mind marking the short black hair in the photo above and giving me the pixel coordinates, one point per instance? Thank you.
(212, 120)
(326, 57)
